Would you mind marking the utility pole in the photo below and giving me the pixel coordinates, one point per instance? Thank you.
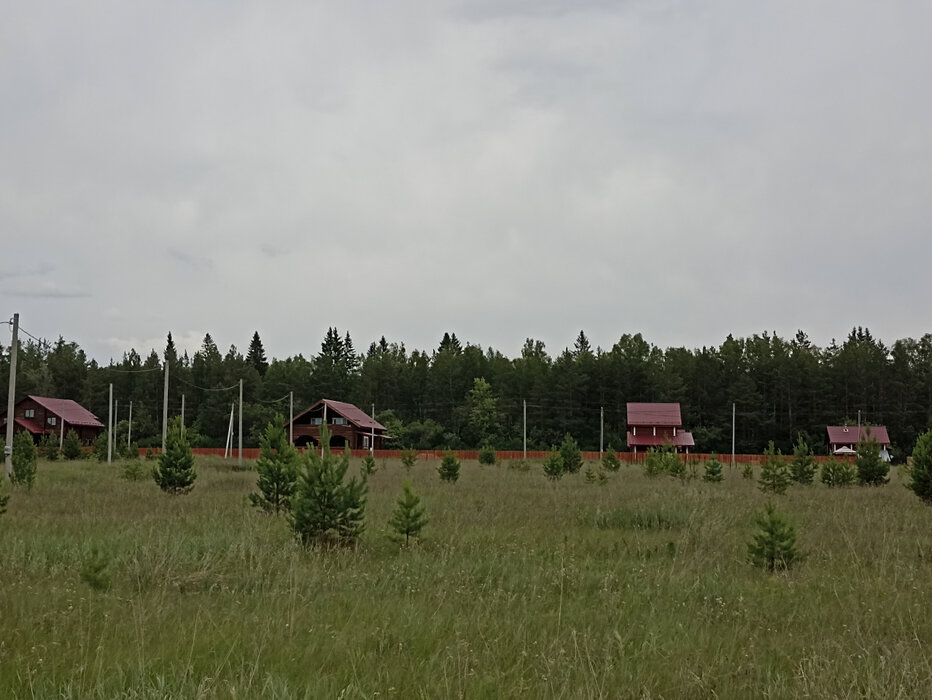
(601, 430)
(182, 415)
(240, 461)
(165, 409)
(372, 433)
(229, 443)
(110, 426)
(129, 431)
(732, 434)
(11, 399)
(291, 417)
(524, 402)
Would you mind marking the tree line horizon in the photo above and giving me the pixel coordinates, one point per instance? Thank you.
(462, 396)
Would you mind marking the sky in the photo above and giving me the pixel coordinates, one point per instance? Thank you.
(500, 169)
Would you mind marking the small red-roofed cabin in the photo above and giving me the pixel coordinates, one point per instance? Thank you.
(348, 426)
(40, 416)
(844, 439)
(656, 425)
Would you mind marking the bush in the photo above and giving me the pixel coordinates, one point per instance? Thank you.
(449, 468)
(175, 471)
(326, 509)
(71, 446)
(837, 473)
(571, 455)
(802, 466)
(713, 470)
(487, 455)
(872, 470)
(920, 473)
(553, 465)
(774, 546)
(24, 460)
(408, 458)
(408, 517)
(277, 467)
(610, 461)
(774, 474)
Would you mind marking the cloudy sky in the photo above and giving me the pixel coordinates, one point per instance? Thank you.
(501, 169)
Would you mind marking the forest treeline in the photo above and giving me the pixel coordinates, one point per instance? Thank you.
(460, 395)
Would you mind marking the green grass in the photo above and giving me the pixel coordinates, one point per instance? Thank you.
(519, 588)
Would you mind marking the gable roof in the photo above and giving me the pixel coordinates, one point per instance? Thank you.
(650, 414)
(849, 435)
(353, 414)
(681, 439)
(69, 411)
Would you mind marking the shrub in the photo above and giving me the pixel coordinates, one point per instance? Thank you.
(571, 454)
(327, 509)
(802, 466)
(610, 461)
(920, 473)
(774, 546)
(553, 465)
(487, 455)
(713, 470)
(71, 446)
(408, 458)
(449, 468)
(408, 517)
(774, 474)
(175, 471)
(277, 467)
(837, 473)
(872, 470)
(24, 460)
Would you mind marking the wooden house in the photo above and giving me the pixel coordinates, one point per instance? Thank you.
(844, 439)
(348, 426)
(41, 416)
(655, 425)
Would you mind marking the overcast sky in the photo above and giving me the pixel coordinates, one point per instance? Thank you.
(501, 169)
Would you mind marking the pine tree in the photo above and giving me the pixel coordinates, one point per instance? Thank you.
(327, 509)
(872, 470)
(571, 455)
(774, 546)
(837, 473)
(713, 470)
(71, 446)
(408, 458)
(25, 457)
(553, 465)
(99, 449)
(256, 355)
(277, 467)
(774, 474)
(449, 468)
(48, 447)
(920, 473)
(368, 467)
(408, 517)
(610, 461)
(802, 466)
(175, 471)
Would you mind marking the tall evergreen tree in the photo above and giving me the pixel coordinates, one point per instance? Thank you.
(256, 355)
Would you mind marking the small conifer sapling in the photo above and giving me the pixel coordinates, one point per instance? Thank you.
(449, 468)
(920, 473)
(277, 468)
(553, 465)
(610, 461)
(713, 470)
(71, 446)
(774, 474)
(408, 517)
(24, 459)
(571, 454)
(802, 466)
(175, 470)
(774, 545)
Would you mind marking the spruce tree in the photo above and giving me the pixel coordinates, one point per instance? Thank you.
(71, 446)
(713, 470)
(277, 467)
(449, 468)
(24, 459)
(175, 470)
(774, 474)
(920, 473)
(610, 461)
(326, 508)
(802, 466)
(408, 517)
(571, 455)
(553, 465)
(774, 546)
(872, 470)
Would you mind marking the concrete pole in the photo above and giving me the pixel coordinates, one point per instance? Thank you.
(372, 434)
(601, 430)
(228, 446)
(110, 427)
(129, 431)
(165, 409)
(524, 402)
(291, 417)
(240, 461)
(11, 398)
(732, 435)
(182, 415)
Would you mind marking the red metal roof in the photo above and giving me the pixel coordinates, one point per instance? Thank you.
(849, 435)
(354, 415)
(69, 411)
(651, 414)
(682, 438)
(29, 425)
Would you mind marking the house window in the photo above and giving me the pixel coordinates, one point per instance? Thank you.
(29, 413)
(339, 421)
(365, 442)
(317, 421)
(51, 420)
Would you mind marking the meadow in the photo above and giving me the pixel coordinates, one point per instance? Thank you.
(519, 587)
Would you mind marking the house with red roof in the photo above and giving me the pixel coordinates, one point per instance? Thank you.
(40, 415)
(348, 426)
(656, 425)
(844, 439)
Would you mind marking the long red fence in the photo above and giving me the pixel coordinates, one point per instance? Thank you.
(500, 455)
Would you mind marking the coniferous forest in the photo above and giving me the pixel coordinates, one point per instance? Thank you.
(461, 395)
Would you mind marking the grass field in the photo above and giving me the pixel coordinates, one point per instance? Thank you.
(519, 588)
